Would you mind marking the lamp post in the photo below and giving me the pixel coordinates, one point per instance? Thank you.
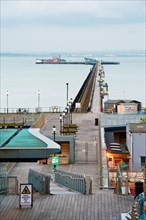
(7, 94)
(67, 93)
(39, 93)
(68, 113)
(70, 102)
(60, 123)
(63, 115)
(54, 131)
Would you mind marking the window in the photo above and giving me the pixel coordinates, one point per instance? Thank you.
(143, 161)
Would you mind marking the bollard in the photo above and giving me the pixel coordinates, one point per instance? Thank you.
(138, 188)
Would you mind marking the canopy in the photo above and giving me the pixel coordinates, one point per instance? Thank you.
(25, 145)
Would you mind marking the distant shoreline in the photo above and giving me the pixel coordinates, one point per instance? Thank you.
(80, 54)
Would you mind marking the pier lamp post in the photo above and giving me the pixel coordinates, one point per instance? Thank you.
(67, 93)
(39, 93)
(70, 111)
(61, 117)
(54, 131)
(7, 94)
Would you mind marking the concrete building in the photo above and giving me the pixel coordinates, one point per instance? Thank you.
(122, 106)
(136, 143)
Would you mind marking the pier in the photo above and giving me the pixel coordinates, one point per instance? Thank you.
(89, 158)
(43, 61)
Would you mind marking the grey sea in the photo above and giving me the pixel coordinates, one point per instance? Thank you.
(22, 78)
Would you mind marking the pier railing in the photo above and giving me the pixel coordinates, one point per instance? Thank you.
(115, 119)
(78, 182)
(32, 110)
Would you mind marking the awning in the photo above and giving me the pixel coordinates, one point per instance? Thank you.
(25, 145)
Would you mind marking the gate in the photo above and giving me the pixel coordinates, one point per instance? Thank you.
(12, 185)
(86, 152)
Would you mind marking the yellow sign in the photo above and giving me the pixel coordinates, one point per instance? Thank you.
(26, 190)
(26, 195)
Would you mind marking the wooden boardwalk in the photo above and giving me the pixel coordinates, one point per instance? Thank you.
(101, 206)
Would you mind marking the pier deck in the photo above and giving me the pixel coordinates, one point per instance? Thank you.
(100, 205)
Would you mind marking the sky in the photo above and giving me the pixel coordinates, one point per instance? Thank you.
(70, 26)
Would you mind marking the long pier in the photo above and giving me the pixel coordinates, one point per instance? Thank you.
(88, 155)
(44, 61)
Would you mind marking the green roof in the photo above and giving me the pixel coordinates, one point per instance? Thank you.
(24, 139)
(26, 145)
(5, 134)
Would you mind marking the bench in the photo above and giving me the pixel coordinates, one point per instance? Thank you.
(69, 129)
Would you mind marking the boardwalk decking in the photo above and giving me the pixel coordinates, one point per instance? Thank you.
(101, 206)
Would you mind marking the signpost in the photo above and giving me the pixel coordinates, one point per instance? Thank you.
(55, 160)
(26, 195)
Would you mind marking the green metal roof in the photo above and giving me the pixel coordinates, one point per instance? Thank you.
(25, 140)
(5, 134)
(26, 145)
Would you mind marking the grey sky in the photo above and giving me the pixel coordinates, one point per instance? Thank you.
(49, 26)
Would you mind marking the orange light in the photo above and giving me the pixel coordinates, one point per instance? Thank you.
(107, 154)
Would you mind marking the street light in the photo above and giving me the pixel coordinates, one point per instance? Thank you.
(60, 123)
(39, 93)
(70, 104)
(54, 131)
(7, 94)
(67, 93)
(68, 111)
(63, 115)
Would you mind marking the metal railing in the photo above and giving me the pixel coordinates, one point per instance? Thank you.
(77, 182)
(114, 119)
(32, 110)
(40, 181)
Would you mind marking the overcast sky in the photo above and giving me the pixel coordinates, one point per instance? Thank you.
(52, 26)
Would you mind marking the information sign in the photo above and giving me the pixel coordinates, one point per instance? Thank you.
(55, 160)
(26, 194)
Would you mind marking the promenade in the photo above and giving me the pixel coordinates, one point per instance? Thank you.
(64, 204)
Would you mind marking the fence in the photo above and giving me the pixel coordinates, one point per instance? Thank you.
(3, 181)
(40, 181)
(32, 110)
(77, 182)
(120, 119)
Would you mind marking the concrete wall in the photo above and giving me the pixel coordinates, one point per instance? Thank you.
(136, 143)
(70, 139)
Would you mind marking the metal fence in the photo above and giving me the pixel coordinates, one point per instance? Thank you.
(32, 110)
(40, 181)
(3, 181)
(115, 119)
(77, 182)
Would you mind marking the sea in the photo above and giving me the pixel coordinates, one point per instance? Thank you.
(22, 78)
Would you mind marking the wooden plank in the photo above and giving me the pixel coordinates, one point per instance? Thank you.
(102, 205)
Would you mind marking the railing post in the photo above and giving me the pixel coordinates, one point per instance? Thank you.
(88, 181)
